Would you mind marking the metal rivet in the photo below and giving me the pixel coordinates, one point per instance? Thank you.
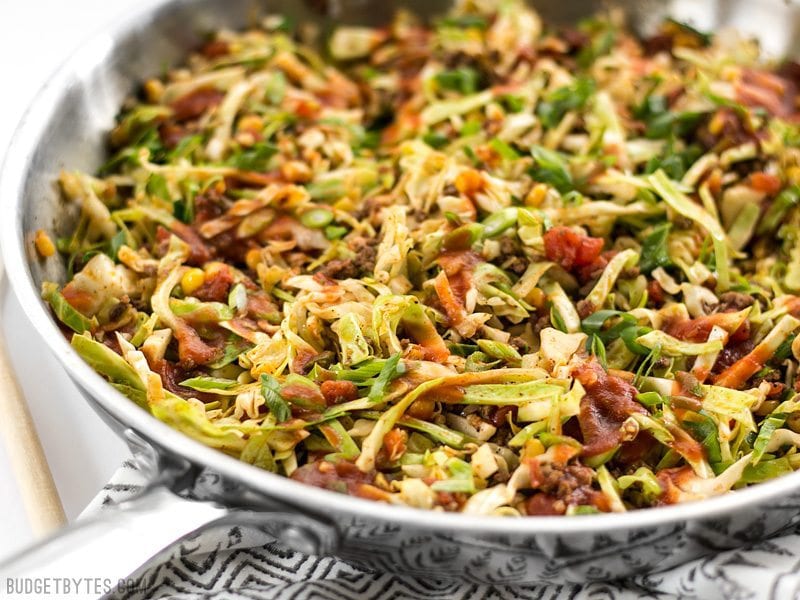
(300, 539)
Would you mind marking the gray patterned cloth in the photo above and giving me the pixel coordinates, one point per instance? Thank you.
(239, 563)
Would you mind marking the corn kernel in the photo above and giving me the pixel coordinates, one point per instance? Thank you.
(716, 123)
(245, 139)
(469, 182)
(533, 447)
(793, 174)
(252, 258)
(537, 195)
(494, 112)
(296, 171)
(536, 298)
(219, 186)
(488, 155)
(213, 268)
(192, 280)
(44, 245)
(686, 40)
(154, 90)
(731, 73)
(251, 123)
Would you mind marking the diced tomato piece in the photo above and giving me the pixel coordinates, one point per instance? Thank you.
(571, 249)
(765, 182)
(395, 442)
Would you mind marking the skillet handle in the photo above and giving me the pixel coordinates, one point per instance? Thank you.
(104, 550)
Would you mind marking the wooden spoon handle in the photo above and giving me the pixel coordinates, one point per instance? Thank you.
(28, 462)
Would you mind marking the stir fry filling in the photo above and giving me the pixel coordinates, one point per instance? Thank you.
(478, 265)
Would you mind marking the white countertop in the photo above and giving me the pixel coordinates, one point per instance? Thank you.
(82, 452)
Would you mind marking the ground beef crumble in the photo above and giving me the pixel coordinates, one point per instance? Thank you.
(362, 263)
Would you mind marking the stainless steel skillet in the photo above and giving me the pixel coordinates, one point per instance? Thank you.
(66, 127)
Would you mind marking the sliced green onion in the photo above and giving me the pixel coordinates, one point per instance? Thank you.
(334, 232)
(316, 218)
(499, 222)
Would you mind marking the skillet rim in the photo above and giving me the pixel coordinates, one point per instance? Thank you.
(307, 499)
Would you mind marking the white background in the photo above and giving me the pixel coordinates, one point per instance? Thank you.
(35, 37)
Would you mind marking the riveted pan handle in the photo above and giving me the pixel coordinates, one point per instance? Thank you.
(101, 552)
(111, 545)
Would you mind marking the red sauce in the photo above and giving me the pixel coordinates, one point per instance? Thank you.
(765, 182)
(282, 228)
(453, 308)
(199, 253)
(394, 443)
(697, 330)
(252, 179)
(732, 352)
(192, 349)
(216, 285)
(767, 90)
(79, 299)
(655, 293)
(500, 415)
(595, 268)
(590, 497)
(685, 445)
(743, 369)
(451, 394)
(571, 249)
(423, 331)
(793, 306)
(208, 206)
(608, 402)
(459, 266)
(636, 450)
(215, 49)
(670, 480)
(171, 134)
(303, 393)
(195, 103)
(171, 376)
(335, 392)
(302, 361)
(229, 247)
(304, 108)
(342, 476)
(544, 505)
(260, 305)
